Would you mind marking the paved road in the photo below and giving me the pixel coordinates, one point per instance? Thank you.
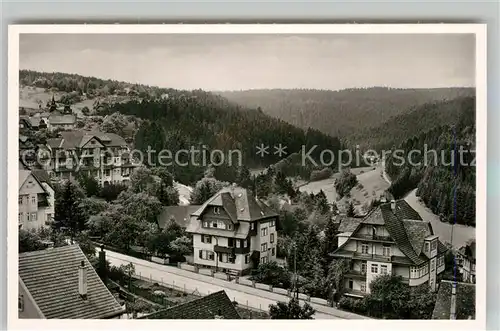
(205, 284)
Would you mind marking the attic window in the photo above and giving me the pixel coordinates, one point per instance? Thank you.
(217, 210)
(242, 209)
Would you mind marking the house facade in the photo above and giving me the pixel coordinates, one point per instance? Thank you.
(233, 232)
(466, 258)
(36, 201)
(57, 121)
(104, 156)
(391, 239)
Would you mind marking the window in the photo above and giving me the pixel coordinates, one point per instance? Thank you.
(374, 268)
(21, 200)
(28, 216)
(434, 245)
(206, 239)
(383, 269)
(223, 258)
(272, 223)
(263, 232)
(263, 247)
(431, 283)
(247, 259)
(364, 249)
(413, 272)
(252, 226)
(273, 251)
(229, 226)
(238, 243)
(107, 172)
(363, 287)
(33, 200)
(427, 246)
(245, 243)
(473, 266)
(206, 255)
(386, 251)
(217, 210)
(214, 224)
(20, 303)
(351, 284)
(33, 217)
(440, 260)
(205, 224)
(433, 265)
(363, 268)
(272, 238)
(263, 259)
(20, 217)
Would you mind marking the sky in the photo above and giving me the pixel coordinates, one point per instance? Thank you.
(240, 62)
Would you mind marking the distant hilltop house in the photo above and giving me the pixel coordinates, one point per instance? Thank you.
(233, 232)
(104, 156)
(455, 301)
(466, 258)
(213, 306)
(36, 199)
(391, 239)
(58, 121)
(60, 283)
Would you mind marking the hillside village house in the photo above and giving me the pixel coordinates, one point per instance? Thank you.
(60, 283)
(104, 156)
(58, 121)
(391, 239)
(36, 199)
(233, 232)
(466, 258)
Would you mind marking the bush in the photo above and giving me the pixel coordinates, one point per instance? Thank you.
(357, 306)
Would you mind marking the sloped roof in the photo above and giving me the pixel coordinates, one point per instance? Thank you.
(417, 232)
(51, 277)
(77, 139)
(212, 306)
(469, 250)
(42, 176)
(239, 203)
(181, 215)
(348, 224)
(405, 227)
(465, 301)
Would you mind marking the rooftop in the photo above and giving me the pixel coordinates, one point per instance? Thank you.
(51, 277)
(181, 215)
(78, 139)
(213, 306)
(239, 204)
(465, 301)
(405, 227)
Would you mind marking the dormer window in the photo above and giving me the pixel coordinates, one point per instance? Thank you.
(216, 210)
(434, 245)
(427, 247)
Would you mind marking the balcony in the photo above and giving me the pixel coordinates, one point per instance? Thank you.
(370, 237)
(355, 274)
(354, 293)
(372, 257)
(223, 249)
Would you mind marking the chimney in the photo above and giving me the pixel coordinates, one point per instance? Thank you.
(103, 272)
(82, 281)
(453, 305)
(393, 205)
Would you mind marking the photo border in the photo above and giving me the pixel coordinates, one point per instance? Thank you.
(479, 30)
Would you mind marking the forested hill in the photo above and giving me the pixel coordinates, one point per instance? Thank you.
(341, 113)
(447, 188)
(204, 119)
(402, 127)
